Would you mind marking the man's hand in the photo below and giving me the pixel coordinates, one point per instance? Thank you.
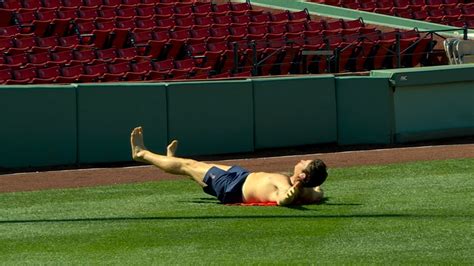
(289, 197)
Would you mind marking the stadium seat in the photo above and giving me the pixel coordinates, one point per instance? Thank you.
(85, 56)
(74, 41)
(260, 19)
(241, 20)
(140, 70)
(72, 3)
(302, 15)
(187, 67)
(11, 4)
(116, 71)
(109, 55)
(202, 10)
(91, 35)
(238, 33)
(93, 3)
(62, 57)
(9, 31)
(223, 21)
(24, 75)
(277, 28)
(162, 69)
(221, 9)
(257, 31)
(296, 27)
(76, 73)
(401, 3)
(102, 71)
(5, 75)
(16, 60)
(131, 54)
(39, 59)
(315, 26)
(47, 75)
(150, 45)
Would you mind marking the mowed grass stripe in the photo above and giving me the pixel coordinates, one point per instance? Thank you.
(403, 213)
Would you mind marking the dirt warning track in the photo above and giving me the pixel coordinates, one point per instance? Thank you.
(117, 175)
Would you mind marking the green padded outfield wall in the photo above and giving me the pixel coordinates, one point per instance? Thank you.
(37, 125)
(364, 110)
(211, 117)
(432, 102)
(294, 111)
(108, 113)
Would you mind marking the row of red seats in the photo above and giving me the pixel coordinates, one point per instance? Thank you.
(21, 42)
(396, 3)
(28, 42)
(25, 16)
(164, 44)
(61, 25)
(31, 4)
(437, 11)
(436, 15)
(121, 12)
(69, 57)
(359, 51)
(120, 37)
(112, 72)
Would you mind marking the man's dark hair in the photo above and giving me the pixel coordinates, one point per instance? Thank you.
(316, 173)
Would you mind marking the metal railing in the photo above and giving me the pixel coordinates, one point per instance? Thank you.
(332, 57)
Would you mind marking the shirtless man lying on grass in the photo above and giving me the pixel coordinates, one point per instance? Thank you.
(233, 184)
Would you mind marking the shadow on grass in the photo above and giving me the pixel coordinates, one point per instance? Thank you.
(296, 207)
(213, 217)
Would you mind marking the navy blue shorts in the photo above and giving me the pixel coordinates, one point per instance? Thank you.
(226, 185)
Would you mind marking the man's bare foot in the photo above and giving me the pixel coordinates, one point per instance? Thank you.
(138, 148)
(171, 149)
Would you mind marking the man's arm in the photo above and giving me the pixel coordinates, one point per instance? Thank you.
(288, 197)
(310, 195)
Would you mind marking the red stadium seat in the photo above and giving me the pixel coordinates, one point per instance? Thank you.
(48, 75)
(299, 15)
(277, 28)
(5, 75)
(280, 17)
(8, 31)
(260, 19)
(24, 75)
(62, 57)
(202, 10)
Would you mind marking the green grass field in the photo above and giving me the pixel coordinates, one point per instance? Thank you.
(404, 213)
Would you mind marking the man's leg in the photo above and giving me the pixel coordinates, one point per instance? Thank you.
(170, 164)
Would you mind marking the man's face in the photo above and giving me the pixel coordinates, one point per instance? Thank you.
(299, 167)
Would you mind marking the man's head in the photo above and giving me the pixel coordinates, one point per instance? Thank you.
(311, 173)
